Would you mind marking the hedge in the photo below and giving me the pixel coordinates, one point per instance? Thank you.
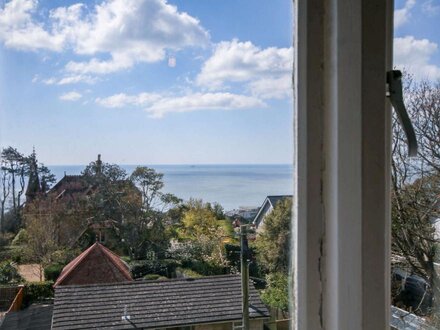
(8, 273)
(166, 267)
(205, 268)
(187, 273)
(38, 291)
(52, 272)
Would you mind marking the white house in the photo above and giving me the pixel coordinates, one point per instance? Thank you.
(267, 207)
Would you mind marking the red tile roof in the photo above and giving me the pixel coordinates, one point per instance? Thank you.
(95, 265)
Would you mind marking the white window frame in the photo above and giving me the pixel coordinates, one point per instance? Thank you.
(342, 133)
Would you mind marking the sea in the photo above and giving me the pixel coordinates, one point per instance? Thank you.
(232, 186)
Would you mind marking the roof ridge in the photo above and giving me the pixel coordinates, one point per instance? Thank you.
(111, 255)
(190, 279)
(73, 264)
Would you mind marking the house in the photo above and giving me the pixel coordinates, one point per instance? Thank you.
(267, 207)
(35, 317)
(247, 213)
(96, 265)
(73, 188)
(212, 302)
(85, 200)
(95, 290)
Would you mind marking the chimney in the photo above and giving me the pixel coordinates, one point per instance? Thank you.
(99, 165)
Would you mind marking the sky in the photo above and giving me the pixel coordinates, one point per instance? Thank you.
(147, 81)
(165, 82)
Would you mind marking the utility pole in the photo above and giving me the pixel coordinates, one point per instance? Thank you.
(244, 256)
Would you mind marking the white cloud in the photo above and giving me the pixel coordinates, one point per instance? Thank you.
(431, 8)
(402, 15)
(126, 32)
(50, 81)
(414, 55)
(203, 101)
(19, 31)
(95, 66)
(76, 78)
(272, 88)
(70, 96)
(236, 61)
(159, 105)
(70, 79)
(123, 100)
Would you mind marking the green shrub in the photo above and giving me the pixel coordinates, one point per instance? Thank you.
(8, 273)
(188, 273)
(5, 253)
(38, 291)
(21, 238)
(18, 254)
(5, 239)
(205, 268)
(233, 257)
(152, 277)
(64, 256)
(276, 293)
(52, 272)
(127, 259)
(140, 268)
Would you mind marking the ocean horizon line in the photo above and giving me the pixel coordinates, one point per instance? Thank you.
(186, 164)
(231, 185)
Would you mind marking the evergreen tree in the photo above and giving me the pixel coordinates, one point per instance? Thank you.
(272, 243)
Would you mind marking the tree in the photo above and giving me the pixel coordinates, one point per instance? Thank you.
(205, 232)
(42, 237)
(276, 293)
(416, 182)
(145, 233)
(47, 179)
(113, 195)
(414, 207)
(199, 221)
(8, 273)
(15, 168)
(151, 183)
(5, 179)
(272, 243)
(101, 172)
(13, 163)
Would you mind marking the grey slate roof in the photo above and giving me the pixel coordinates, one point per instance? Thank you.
(153, 304)
(269, 203)
(403, 320)
(275, 199)
(35, 317)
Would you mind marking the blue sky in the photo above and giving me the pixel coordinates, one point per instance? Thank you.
(164, 82)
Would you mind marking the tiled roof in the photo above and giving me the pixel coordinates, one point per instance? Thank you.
(71, 186)
(401, 319)
(95, 265)
(153, 304)
(35, 317)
